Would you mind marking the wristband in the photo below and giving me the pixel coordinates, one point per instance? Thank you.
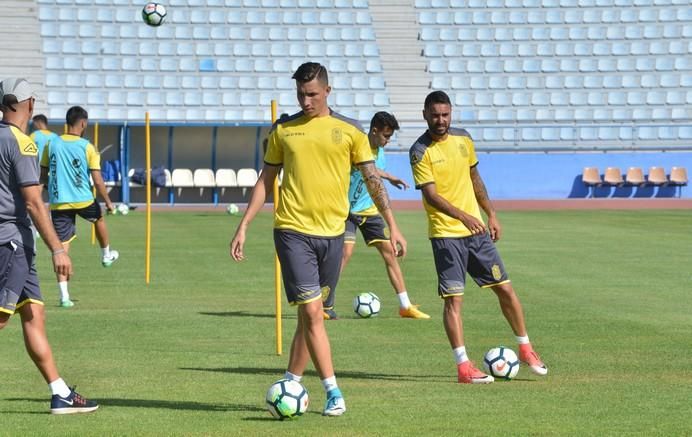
(58, 252)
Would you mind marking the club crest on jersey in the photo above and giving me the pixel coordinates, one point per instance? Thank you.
(497, 273)
(76, 163)
(30, 149)
(463, 151)
(336, 135)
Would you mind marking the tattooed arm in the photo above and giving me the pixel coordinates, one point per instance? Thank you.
(484, 202)
(379, 195)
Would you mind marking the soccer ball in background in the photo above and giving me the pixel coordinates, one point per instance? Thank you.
(501, 362)
(366, 305)
(232, 209)
(287, 399)
(123, 209)
(153, 14)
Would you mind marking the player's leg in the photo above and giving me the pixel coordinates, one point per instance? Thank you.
(65, 226)
(375, 233)
(301, 274)
(396, 278)
(487, 269)
(349, 246)
(29, 305)
(329, 256)
(450, 255)
(92, 213)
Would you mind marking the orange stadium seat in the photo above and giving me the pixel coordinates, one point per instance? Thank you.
(613, 176)
(635, 176)
(657, 176)
(591, 178)
(678, 178)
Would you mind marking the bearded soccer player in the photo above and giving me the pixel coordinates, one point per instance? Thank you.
(316, 148)
(445, 169)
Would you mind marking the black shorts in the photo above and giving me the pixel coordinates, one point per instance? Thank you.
(476, 255)
(18, 279)
(372, 227)
(309, 265)
(65, 220)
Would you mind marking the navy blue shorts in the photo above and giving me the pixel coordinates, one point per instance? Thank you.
(65, 220)
(309, 265)
(476, 255)
(372, 227)
(18, 279)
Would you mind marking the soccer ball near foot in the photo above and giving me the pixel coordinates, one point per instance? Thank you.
(501, 362)
(123, 209)
(366, 305)
(287, 399)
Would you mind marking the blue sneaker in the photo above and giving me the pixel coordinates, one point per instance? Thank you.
(335, 406)
(74, 403)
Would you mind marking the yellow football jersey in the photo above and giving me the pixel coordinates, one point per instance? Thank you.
(447, 164)
(317, 155)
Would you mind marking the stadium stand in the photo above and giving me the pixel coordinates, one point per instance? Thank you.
(257, 45)
(614, 75)
(527, 76)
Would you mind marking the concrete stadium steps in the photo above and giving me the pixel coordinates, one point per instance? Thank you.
(396, 30)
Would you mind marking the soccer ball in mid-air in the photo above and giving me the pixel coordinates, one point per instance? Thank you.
(366, 305)
(287, 399)
(501, 362)
(123, 209)
(232, 209)
(153, 14)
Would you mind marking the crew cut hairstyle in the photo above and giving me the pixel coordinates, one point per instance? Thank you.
(437, 97)
(40, 118)
(309, 71)
(74, 114)
(384, 119)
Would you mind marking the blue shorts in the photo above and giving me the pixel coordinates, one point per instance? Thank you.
(309, 265)
(476, 255)
(65, 220)
(18, 279)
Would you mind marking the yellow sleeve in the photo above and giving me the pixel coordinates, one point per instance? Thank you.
(473, 159)
(422, 171)
(93, 157)
(360, 148)
(275, 150)
(44, 156)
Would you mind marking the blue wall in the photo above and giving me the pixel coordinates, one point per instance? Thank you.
(554, 175)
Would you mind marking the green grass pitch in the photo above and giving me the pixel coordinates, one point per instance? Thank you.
(606, 293)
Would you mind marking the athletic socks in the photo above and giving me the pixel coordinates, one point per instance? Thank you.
(523, 339)
(329, 383)
(64, 294)
(58, 387)
(460, 354)
(292, 377)
(106, 251)
(403, 300)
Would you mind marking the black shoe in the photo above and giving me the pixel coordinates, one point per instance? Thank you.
(72, 404)
(329, 314)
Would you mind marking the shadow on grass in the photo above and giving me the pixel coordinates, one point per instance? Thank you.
(163, 405)
(340, 374)
(243, 314)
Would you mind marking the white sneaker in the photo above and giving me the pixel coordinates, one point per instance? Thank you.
(107, 261)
